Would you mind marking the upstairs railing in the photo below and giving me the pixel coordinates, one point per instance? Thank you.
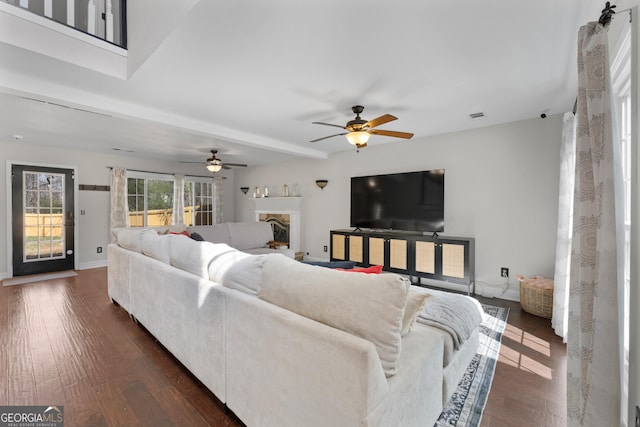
(104, 19)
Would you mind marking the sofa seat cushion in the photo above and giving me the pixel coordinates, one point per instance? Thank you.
(368, 306)
(289, 253)
(249, 235)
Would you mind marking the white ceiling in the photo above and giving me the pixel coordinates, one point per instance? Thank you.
(249, 77)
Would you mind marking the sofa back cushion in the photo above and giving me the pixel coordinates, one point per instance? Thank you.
(368, 306)
(156, 246)
(131, 238)
(217, 233)
(192, 256)
(245, 274)
(249, 235)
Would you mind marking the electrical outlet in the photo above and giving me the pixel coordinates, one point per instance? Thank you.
(99, 249)
(325, 248)
(82, 212)
(504, 272)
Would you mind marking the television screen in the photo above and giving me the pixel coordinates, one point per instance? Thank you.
(411, 201)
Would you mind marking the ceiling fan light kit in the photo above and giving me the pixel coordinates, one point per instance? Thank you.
(358, 138)
(214, 165)
(359, 130)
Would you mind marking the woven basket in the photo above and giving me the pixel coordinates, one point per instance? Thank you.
(535, 300)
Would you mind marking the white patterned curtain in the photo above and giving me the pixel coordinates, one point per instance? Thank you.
(119, 214)
(593, 339)
(565, 226)
(178, 199)
(217, 200)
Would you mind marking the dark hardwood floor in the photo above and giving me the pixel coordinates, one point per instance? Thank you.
(64, 343)
(529, 386)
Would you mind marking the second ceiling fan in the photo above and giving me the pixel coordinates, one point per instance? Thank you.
(359, 130)
(214, 164)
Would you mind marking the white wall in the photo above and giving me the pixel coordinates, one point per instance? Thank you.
(93, 227)
(501, 187)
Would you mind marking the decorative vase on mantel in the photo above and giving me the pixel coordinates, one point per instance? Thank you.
(285, 191)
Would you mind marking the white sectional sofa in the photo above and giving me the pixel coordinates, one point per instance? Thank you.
(282, 343)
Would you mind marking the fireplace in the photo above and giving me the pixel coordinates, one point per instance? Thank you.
(284, 216)
(280, 224)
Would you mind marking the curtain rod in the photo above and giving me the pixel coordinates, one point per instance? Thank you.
(166, 173)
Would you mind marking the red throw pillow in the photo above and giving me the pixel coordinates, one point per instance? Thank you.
(184, 233)
(374, 269)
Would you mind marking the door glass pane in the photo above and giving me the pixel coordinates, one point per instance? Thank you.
(31, 250)
(31, 182)
(43, 228)
(45, 249)
(31, 199)
(45, 199)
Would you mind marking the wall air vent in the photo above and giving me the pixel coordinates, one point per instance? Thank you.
(475, 116)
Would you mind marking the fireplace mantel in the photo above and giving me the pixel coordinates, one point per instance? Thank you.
(283, 205)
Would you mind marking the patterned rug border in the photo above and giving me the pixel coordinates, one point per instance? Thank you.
(466, 405)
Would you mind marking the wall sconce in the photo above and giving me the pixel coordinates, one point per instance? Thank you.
(244, 189)
(321, 183)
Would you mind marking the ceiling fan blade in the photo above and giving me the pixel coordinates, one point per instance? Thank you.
(380, 121)
(328, 124)
(240, 165)
(326, 137)
(392, 133)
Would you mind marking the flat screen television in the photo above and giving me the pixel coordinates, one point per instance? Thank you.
(410, 201)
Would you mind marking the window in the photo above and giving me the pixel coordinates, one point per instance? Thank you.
(150, 198)
(198, 202)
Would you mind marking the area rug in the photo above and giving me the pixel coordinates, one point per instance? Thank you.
(20, 280)
(465, 407)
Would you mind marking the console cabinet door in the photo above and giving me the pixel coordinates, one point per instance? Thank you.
(347, 247)
(338, 246)
(391, 253)
(449, 259)
(425, 259)
(356, 249)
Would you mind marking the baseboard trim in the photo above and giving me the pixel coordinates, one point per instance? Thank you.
(92, 264)
(488, 292)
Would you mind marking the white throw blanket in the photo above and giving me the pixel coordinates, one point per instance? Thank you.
(459, 315)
